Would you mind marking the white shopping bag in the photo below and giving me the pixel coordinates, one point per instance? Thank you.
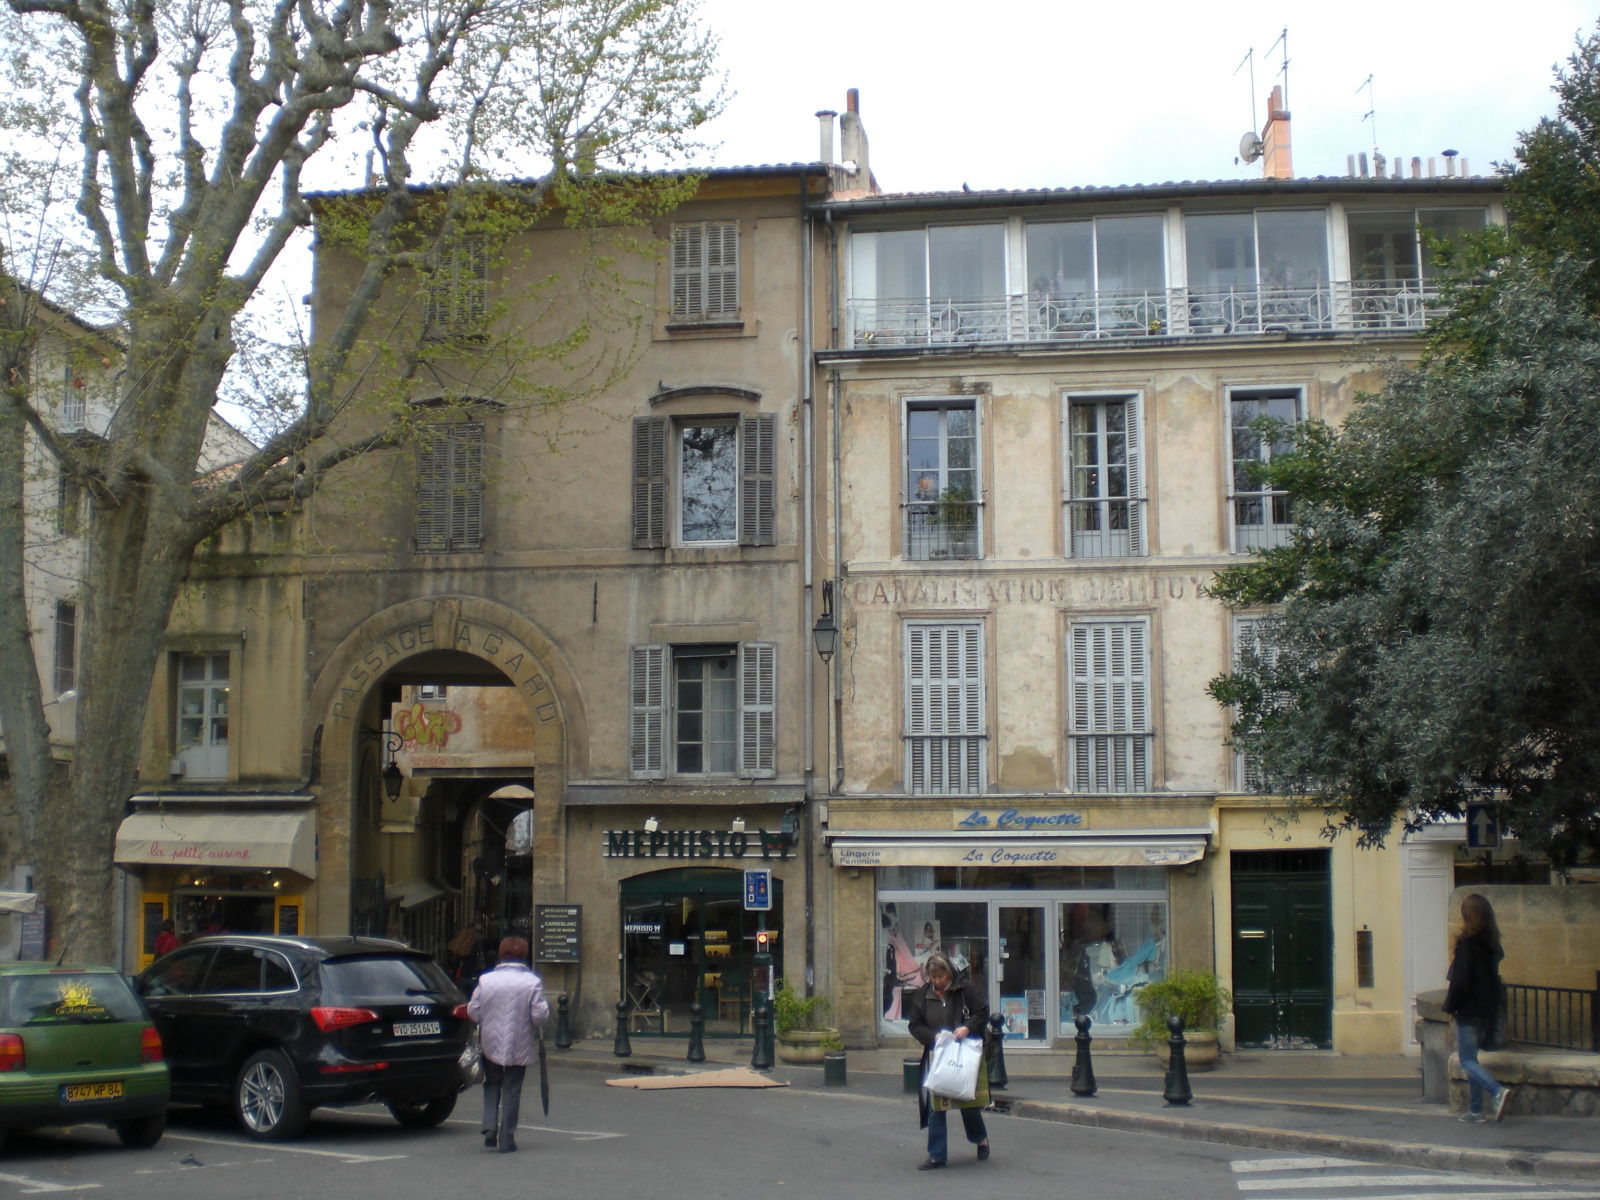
(953, 1067)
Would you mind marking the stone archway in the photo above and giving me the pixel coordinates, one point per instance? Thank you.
(342, 702)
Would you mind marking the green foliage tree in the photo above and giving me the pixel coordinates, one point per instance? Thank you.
(1431, 639)
(158, 176)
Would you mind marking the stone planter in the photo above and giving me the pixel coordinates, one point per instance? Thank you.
(803, 1045)
(1200, 1050)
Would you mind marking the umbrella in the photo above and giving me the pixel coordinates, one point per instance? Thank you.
(544, 1077)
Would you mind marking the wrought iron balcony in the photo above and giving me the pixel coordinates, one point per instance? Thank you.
(1174, 312)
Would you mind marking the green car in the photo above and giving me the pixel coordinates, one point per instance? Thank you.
(78, 1048)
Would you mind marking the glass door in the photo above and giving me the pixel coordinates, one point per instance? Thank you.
(1020, 984)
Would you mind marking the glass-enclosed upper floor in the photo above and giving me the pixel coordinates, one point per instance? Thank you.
(1165, 272)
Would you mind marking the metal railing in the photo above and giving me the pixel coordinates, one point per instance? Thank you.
(1562, 1018)
(942, 529)
(1346, 306)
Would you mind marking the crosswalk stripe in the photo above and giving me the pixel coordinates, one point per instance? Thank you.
(1350, 1181)
(1248, 1165)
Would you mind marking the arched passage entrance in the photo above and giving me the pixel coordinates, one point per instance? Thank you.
(439, 843)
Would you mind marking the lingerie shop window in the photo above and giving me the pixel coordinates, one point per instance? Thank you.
(1108, 953)
(911, 931)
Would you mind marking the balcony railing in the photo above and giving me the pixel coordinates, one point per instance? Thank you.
(1172, 312)
(942, 529)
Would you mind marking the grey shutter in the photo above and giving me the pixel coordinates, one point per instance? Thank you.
(758, 710)
(1136, 499)
(433, 491)
(944, 708)
(722, 269)
(758, 479)
(647, 724)
(649, 482)
(1110, 706)
(688, 271)
(466, 487)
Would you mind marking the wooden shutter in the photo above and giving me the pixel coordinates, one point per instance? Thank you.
(1109, 706)
(722, 269)
(688, 271)
(433, 490)
(1136, 499)
(649, 482)
(757, 479)
(944, 708)
(758, 696)
(647, 728)
(466, 486)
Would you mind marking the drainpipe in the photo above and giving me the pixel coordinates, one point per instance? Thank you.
(836, 770)
(807, 553)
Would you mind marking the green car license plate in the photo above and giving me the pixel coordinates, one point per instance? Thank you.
(416, 1028)
(76, 1093)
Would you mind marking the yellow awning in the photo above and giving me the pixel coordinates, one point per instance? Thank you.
(251, 840)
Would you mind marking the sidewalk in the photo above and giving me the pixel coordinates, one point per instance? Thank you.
(1366, 1107)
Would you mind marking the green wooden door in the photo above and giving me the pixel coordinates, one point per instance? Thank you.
(1282, 949)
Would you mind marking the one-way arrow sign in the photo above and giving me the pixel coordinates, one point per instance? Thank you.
(1483, 831)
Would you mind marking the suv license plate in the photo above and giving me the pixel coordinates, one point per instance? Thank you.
(416, 1028)
(73, 1093)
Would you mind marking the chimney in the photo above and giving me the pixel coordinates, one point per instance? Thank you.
(1276, 161)
(825, 119)
(853, 142)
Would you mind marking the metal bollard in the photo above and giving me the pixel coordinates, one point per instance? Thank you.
(697, 1033)
(621, 1047)
(997, 1065)
(1177, 1090)
(1083, 1083)
(563, 1024)
(761, 1056)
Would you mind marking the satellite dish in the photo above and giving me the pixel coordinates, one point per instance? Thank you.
(1250, 147)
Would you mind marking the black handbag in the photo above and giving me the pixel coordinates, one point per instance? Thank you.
(1493, 1036)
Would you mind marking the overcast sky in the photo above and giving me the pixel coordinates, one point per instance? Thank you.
(1027, 93)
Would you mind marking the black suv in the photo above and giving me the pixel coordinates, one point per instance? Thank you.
(276, 1026)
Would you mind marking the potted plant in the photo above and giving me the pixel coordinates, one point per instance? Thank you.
(800, 1025)
(1196, 996)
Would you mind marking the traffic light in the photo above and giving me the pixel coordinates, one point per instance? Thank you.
(762, 945)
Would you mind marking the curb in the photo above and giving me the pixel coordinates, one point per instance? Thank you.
(1515, 1163)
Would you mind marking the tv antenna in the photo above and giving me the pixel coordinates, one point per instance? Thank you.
(1371, 115)
(1250, 145)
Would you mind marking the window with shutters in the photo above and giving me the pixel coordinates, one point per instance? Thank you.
(1109, 735)
(705, 272)
(945, 716)
(66, 646)
(455, 299)
(1259, 421)
(717, 701)
(1253, 646)
(704, 481)
(450, 488)
(942, 497)
(1105, 477)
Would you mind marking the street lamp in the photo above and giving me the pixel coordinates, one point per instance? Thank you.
(393, 743)
(825, 633)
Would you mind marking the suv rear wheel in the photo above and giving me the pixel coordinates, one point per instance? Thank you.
(266, 1097)
(423, 1114)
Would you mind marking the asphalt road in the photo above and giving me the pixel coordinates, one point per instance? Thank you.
(702, 1143)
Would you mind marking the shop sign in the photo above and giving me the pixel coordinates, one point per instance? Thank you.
(697, 843)
(558, 932)
(1016, 818)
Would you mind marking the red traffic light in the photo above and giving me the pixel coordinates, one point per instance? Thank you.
(761, 939)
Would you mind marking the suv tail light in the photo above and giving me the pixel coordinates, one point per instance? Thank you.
(460, 1013)
(12, 1057)
(150, 1050)
(330, 1019)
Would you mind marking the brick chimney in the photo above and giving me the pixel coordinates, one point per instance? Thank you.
(1276, 161)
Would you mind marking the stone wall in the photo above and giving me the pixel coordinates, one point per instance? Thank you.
(1551, 934)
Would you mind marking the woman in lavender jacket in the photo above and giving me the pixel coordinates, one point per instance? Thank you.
(509, 1005)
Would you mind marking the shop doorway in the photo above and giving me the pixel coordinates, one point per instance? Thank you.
(1021, 970)
(1282, 949)
(687, 938)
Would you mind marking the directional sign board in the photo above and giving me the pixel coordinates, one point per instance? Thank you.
(1483, 830)
(758, 891)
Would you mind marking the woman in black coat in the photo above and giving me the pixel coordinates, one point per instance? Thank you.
(1474, 1000)
(940, 1004)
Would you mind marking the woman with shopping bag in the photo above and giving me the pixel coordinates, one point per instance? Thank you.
(944, 1006)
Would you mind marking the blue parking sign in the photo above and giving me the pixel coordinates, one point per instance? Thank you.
(758, 891)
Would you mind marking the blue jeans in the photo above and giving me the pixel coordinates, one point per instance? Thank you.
(502, 1102)
(939, 1130)
(1479, 1081)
